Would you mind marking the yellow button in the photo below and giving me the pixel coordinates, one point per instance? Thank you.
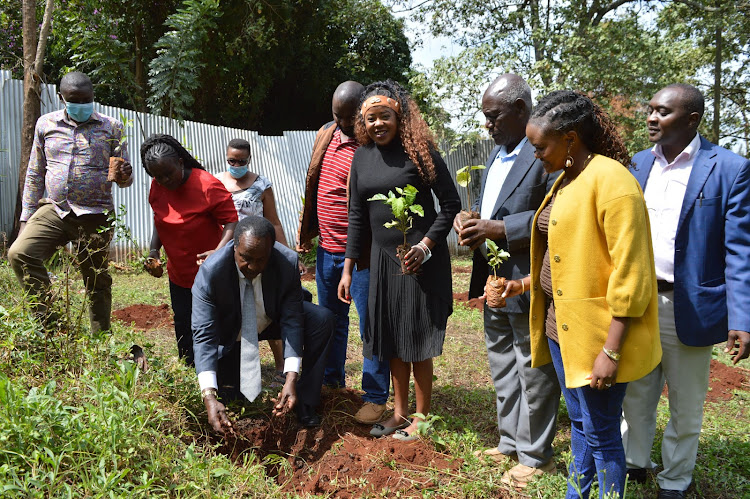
(559, 292)
(565, 327)
(534, 287)
(557, 258)
(533, 317)
(554, 222)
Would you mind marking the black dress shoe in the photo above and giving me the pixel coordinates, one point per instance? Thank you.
(306, 416)
(637, 475)
(671, 494)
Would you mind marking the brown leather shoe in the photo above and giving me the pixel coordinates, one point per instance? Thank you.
(520, 475)
(370, 413)
(495, 455)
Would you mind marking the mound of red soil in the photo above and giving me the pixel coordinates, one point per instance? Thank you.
(145, 317)
(338, 457)
(463, 298)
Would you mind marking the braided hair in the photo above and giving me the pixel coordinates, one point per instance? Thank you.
(159, 146)
(566, 110)
(416, 137)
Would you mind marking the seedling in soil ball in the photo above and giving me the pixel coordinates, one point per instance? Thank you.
(115, 160)
(495, 285)
(403, 208)
(463, 178)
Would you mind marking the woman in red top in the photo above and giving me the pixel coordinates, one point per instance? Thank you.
(193, 216)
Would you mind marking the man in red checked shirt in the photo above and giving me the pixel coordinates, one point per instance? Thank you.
(325, 214)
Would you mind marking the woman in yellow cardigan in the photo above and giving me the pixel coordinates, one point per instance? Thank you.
(593, 286)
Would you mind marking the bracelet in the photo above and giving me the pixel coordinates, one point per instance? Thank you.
(615, 356)
(425, 249)
(523, 286)
(209, 391)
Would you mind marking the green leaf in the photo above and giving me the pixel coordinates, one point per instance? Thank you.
(417, 209)
(378, 197)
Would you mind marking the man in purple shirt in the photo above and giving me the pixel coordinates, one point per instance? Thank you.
(70, 161)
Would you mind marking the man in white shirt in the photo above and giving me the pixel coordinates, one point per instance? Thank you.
(513, 186)
(250, 284)
(698, 198)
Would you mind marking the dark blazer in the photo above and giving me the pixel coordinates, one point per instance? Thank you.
(217, 318)
(712, 245)
(523, 191)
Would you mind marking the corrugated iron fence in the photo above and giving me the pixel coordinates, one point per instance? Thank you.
(283, 159)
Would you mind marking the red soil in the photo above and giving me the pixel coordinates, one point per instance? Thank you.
(463, 298)
(723, 381)
(338, 457)
(145, 317)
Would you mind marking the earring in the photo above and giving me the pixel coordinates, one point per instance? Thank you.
(569, 159)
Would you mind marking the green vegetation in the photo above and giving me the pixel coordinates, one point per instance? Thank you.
(496, 256)
(463, 178)
(77, 419)
(402, 207)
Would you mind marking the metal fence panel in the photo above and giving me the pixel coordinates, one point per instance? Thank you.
(283, 159)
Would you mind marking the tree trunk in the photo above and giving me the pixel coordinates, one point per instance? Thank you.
(31, 101)
(140, 73)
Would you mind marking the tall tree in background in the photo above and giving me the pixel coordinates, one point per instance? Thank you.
(620, 52)
(33, 60)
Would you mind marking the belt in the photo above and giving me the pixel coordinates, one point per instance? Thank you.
(664, 286)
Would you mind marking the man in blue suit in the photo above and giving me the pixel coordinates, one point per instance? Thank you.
(698, 198)
(513, 186)
(255, 260)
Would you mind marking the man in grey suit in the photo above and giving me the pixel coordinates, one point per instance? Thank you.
(224, 311)
(513, 186)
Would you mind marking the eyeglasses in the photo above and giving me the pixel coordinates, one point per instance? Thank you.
(238, 162)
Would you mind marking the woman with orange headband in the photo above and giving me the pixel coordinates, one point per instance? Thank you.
(407, 312)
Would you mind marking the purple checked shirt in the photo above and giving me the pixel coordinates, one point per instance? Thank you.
(71, 162)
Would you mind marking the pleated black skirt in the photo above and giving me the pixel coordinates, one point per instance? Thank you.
(408, 322)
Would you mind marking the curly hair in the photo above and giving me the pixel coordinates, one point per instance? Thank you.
(566, 110)
(159, 146)
(417, 139)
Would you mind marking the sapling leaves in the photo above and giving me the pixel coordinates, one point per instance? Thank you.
(495, 255)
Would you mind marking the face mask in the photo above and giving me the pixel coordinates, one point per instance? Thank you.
(79, 113)
(238, 171)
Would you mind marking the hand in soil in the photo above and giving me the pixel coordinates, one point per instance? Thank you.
(738, 345)
(139, 357)
(474, 232)
(413, 259)
(287, 397)
(217, 416)
(153, 266)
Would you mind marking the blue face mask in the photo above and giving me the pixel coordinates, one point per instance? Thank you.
(238, 171)
(80, 113)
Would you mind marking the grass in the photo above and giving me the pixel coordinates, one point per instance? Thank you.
(78, 419)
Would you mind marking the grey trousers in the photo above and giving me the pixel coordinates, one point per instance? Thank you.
(527, 398)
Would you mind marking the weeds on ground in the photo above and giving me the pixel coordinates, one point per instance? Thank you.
(78, 419)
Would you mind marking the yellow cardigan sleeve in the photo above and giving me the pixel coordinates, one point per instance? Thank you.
(628, 235)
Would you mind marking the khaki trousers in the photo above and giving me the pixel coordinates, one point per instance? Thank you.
(685, 370)
(45, 232)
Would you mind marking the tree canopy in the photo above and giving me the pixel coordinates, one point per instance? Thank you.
(620, 52)
(268, 65)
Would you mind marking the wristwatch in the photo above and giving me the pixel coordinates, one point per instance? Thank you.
(209, 391)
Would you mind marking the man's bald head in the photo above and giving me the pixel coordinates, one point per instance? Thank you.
(75, 80)
(510, 87)
(506, 105)
(344, 105)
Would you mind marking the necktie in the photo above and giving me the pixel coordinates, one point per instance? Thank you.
(249, 358)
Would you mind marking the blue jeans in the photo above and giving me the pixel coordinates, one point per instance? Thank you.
(595, 439)
(376, 375)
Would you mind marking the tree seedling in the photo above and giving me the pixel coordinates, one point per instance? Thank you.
(402, 207)
(495, 285)
(463, 178)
